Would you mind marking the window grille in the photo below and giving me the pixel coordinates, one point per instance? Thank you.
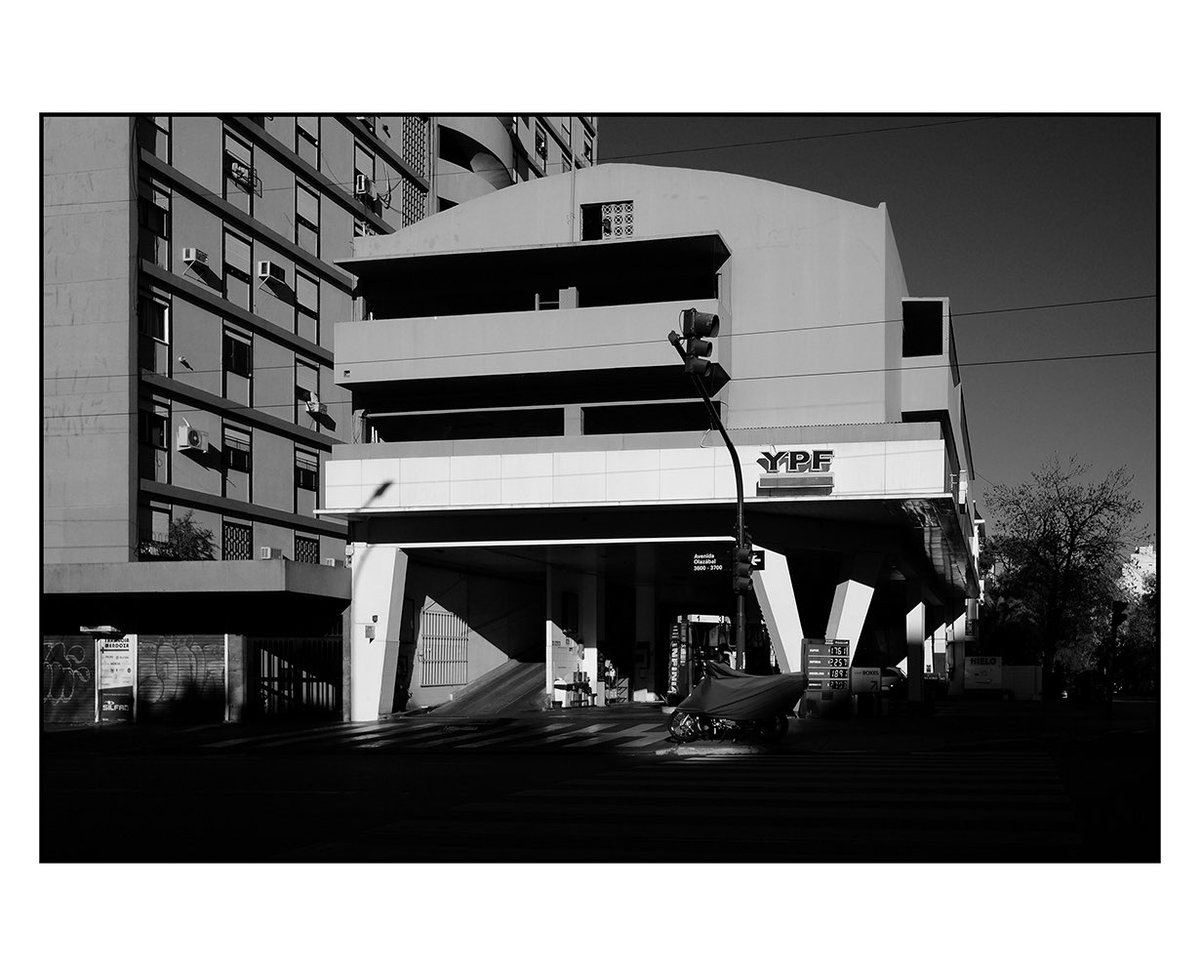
(616, 219)
(444, 638)
(308, 550)
(412, 207)
(236, 541)
(415, 144)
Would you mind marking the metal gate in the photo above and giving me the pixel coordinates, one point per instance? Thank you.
(296, 675)
(444, 639)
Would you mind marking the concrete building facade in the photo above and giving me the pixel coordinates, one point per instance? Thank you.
(538, 486)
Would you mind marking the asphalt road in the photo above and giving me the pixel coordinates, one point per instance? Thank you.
(486, 792)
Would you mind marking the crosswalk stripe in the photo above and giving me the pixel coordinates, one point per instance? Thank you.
(285, 736)
(809, 797)
(512, 736)
(583, 731)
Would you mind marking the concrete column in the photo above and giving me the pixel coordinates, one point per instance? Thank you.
(940, 645)
(643, 636)
(852, 599)
(235, 677)
(773, 587)
(914, 633)
(550, 629)
(377, 601)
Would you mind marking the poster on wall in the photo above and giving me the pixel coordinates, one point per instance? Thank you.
(117, 666)
(678, 673)
(983, 674)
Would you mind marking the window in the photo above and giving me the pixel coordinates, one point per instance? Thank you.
(237, 361)
(604, 220)
(566, 164)
(154, 438)
(306, 471)
(368, 121)
(307, 387)
(540, 146)
(308, 139)
(588, 149)
(236, 449)
(154, 220)
(364, 163)
(236, 264)
(307, 480)
(237, 540)
(308, 549)
(154, 526)
(238, 165)
(235, 453)
(308, 219)
(565, 124)
(154, 134)
(922, 329)
(308, 306)
(154, 332)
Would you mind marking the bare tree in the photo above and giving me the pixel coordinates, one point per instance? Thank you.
(1057, 548)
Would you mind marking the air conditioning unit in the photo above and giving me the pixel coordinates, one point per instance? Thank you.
(332, 562)
(315, 406)
(193, 255)
(267, 552)
(364, 186)
(271, 273)
(188, 438)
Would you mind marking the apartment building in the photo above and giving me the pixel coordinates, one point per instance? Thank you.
(190, 291)
(539, 487)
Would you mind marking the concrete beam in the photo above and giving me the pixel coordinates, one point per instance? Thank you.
(852, 599)
(773, 587)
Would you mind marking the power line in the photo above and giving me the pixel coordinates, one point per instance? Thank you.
(823, 135)
(745, 379)
(654, 342)
(641, 155)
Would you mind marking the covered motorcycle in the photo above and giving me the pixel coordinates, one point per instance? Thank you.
(731, 704)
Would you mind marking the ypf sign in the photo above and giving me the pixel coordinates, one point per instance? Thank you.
(796, 472)
(796, 462)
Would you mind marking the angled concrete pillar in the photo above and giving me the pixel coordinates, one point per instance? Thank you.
(914, 634)
(377, 601)
(852, 599)
(773, 588)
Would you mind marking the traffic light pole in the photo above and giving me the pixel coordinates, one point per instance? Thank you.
(740, 598)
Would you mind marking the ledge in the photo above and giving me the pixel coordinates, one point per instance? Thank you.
(248, 224)
(246, 510)
(256, 418)
(226, 309)
(207, 576)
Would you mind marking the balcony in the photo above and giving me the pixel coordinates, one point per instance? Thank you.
(552, 355)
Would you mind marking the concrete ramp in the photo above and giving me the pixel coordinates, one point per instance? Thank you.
(516, 686)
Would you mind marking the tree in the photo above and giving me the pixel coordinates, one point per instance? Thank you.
(1135, 665)
(185, 540)
(1055, 552)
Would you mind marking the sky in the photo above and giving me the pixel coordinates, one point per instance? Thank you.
(996, 212)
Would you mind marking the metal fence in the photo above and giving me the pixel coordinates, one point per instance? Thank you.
(444, 639)
(295, 675)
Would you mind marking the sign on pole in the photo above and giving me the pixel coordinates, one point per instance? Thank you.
(118, 664)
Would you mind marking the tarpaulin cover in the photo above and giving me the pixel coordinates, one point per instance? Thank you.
(726, 693)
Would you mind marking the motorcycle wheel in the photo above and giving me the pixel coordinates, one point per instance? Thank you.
(773, 729)
(683, 727)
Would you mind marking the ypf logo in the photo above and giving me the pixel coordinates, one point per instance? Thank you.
(796, 462)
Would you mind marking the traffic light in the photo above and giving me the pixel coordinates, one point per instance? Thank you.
(698, 328)
(1119, 608)
(743, 566)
